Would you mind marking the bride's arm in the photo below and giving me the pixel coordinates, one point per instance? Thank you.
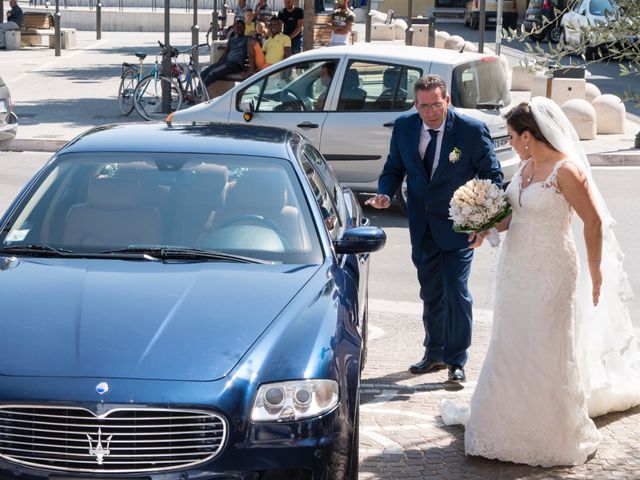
(575, 188)
(503, 226)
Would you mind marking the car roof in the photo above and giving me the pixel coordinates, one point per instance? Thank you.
(393, 52)
(210, 138)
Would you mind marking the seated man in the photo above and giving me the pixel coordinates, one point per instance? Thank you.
(14, 20)
(233, 58)
(278, 46)
(328, 70)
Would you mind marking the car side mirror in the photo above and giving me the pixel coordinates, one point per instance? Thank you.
(360, 240)
(247, 110)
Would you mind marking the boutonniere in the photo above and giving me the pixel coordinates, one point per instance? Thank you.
(454, 156)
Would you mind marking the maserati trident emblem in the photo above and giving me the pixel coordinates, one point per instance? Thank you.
(102, 388)
(99, 451)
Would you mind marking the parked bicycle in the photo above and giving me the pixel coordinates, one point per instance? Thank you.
(130, 77)
(192, 88)
(147, 96)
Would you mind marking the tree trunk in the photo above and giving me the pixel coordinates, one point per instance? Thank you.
(309, 20)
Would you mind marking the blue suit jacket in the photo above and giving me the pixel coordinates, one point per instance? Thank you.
(428, 199)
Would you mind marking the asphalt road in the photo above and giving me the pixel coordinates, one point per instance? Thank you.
(606, 76)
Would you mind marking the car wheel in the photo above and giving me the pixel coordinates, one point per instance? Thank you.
(354, 464)
(555, 34)
(401, 195)
(592, 53)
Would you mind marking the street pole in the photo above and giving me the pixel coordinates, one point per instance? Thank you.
(483, 17)
(214, 22)
(166, 59)
(498, 26)
(410, 8)
(56, 26)
(98, 21)
(195, 34)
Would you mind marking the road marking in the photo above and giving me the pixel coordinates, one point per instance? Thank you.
(374, 332)
(389, 446)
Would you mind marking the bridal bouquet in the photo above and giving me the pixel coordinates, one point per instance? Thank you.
(479, 205)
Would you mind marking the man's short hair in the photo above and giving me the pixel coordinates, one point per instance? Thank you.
(431, 82)
(248, 9)
(241, 20)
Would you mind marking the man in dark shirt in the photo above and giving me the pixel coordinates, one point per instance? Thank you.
(292, 21)
(233, 58)
(14, 20)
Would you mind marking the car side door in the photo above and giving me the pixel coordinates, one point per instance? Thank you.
(290, 97)
(356, 134)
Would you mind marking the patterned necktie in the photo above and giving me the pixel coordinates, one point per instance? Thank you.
(430, 152)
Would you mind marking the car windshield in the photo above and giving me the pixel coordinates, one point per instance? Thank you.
(181, 206)
(480, 84)
(602, 8)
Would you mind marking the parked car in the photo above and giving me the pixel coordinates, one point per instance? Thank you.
(8, 119)
(585, 24)
(542, 19)
(509, 13)
(350, 120)
(185, 302)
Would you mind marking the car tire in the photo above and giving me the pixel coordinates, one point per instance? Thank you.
(401, 195)
(555, 34)
(592, 53)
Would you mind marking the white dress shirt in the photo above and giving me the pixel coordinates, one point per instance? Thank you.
(425, 138)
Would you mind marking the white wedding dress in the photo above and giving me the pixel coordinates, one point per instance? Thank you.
(554, 360)
(529, 405)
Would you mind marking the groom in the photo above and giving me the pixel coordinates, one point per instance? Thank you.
(438, 150)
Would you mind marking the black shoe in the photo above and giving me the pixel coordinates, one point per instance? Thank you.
(456, 374)
(427, 366)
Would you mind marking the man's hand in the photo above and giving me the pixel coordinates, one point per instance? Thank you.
(476, 238)
(379, 201)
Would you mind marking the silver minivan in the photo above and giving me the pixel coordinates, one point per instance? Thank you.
(8, 119)
(349, 115)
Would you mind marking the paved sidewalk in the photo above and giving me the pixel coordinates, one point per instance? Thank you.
(57, 98)
(402, 435)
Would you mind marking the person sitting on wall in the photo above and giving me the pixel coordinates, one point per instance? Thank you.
(14, 20)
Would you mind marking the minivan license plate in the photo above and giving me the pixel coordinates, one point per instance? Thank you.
(501, 143)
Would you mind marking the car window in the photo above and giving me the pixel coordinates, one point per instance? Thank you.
(326, 173)
(377, 86)
(601, 8)
(323, 195)
(237, 204)
(480, 83)
(299, 87)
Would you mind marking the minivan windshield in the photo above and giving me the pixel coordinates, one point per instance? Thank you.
(602, 8)
(480, 84)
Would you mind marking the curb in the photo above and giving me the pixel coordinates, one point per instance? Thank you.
(36, 145)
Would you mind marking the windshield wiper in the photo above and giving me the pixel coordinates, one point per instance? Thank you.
(185, 253)
(47, 250)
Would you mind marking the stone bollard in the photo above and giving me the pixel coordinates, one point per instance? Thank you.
(522, 78)
(469, 47)
(591, 92)
(582, 116)
(441, 37)
(454, 42)
(610, 113)
(400, 27)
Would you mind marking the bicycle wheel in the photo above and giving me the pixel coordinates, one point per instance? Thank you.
(196, 91)
(125, 92)
(148, 97)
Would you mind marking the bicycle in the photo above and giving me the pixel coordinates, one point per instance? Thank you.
(192, 88)
(147, 96)
(130, 77)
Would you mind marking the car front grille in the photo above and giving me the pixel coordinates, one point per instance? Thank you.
(122, 440)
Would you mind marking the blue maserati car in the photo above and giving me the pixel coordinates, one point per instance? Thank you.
(183, 303)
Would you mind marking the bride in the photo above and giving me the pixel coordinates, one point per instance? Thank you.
(562, 348)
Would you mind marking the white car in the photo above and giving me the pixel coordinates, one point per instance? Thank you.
(351, 120)
(578, 22)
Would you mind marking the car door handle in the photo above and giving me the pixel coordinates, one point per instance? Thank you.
(307, 125)
(389, 124)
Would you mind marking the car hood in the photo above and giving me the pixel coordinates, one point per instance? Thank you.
(142, 320)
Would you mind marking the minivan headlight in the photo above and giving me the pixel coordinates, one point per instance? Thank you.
(294, 400)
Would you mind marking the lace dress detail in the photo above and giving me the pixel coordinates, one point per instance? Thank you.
(529, 405)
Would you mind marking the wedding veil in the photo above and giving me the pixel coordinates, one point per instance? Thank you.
(606, 348)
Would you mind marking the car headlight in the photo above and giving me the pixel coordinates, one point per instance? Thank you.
(295, 400)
